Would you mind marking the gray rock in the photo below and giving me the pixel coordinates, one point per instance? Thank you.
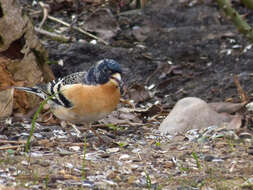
(191, 113)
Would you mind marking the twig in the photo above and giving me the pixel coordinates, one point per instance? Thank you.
(45, 8)
(52, 177)
(240, 90)
(12, 142)
(47, 16)
(39, 29)
(11, 147)
(72, 144)
(52, 35)
(131, 12)
(84, 158)
(139, 156)
(78, 29)
(121, 124)
(159, 68)
(127, 102)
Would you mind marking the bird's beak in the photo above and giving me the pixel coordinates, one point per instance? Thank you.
(117, 79)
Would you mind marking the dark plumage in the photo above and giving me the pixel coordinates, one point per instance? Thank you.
(101, 72)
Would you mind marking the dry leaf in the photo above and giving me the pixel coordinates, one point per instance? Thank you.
(122, 115)
(103, 23)
(151, 111)
(6, 102)
(141, 33)
(138, 93)
(226, 107)
(235, 123)
(6, 96)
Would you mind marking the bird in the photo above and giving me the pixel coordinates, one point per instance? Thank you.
(83, 97)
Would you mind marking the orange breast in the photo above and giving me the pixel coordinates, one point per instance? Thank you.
(90, 102)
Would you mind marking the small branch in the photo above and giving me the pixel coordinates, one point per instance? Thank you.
(11, 147)
(12, 142)
(78, 29)
(240, 90)
(52, 35)
(45, 8)
(236, 18)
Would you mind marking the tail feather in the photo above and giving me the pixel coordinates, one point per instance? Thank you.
(33, 90)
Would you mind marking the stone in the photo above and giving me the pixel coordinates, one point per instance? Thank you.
(191, 113)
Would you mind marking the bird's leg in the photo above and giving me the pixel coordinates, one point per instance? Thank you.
(88, 125)
(78, 133)
(63, 124)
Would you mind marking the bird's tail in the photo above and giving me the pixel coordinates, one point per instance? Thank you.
(33, 90)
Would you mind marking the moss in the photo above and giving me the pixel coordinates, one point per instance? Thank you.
(51, 62)
(48, 28)
(236, 18)
(248, 3)
(40, 56)
(42, 61)
(23, 13)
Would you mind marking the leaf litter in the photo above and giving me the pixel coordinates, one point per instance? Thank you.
(137, 155)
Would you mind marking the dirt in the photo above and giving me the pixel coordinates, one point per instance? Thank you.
(182, 48)
(205, 48)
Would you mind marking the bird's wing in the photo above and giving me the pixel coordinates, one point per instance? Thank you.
(53, 88)
(74, 78)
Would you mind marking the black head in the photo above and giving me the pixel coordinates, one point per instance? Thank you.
(103, 70)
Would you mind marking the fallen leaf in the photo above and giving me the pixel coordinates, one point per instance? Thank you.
(2, 187)
(138, 93)
(121, 116)
(6, 96)
(235, 123)
(226, 107)
(151, 111)
(103, 23)
(240, 90)
(141, 33)
(6, 102)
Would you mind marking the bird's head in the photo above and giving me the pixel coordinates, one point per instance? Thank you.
(107, 69)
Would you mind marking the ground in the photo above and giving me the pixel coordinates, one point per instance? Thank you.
(173, 48)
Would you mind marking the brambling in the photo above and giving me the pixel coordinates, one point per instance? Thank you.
(83, 97)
